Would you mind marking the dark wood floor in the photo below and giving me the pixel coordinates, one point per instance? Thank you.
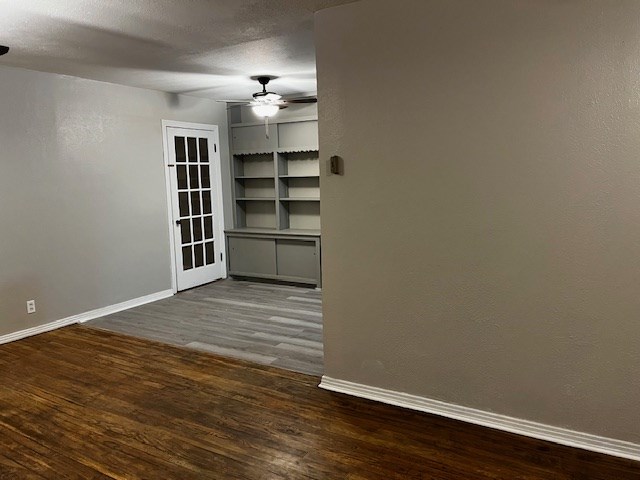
(88, 404)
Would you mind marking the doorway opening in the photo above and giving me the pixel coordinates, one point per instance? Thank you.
(228, 302)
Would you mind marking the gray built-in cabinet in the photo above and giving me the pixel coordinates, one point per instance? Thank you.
(276, 194)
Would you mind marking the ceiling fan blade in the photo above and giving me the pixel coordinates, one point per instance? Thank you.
(233, 101)
(302, 100)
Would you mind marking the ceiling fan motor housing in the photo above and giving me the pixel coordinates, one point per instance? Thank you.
(271, 98)
(265, 96)
(264, 80)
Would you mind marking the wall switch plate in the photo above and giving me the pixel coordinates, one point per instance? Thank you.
(31, 306)
(335, 165)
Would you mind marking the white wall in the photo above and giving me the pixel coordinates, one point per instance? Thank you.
(483, 246)
(83, 210)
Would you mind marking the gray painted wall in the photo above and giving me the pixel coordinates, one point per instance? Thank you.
(83, 210)
(483, 246)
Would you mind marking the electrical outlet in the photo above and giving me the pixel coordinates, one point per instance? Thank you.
(31, 306)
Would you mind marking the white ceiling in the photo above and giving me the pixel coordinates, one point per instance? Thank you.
(206, 48)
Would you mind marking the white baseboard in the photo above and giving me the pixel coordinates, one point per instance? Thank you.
(118, 307)
(540, 431)
(86, 316)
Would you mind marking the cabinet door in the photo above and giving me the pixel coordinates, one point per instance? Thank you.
(297, 258)
(298, 135)
(253, 139)
(252, 255)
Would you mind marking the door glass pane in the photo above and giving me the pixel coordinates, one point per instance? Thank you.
(183, 200)
(180, 154)
(209, 252)
(204, 149)
(193, 150)
(182, 177)
(197, 229)
(208, 228)
(195, 203)
(199, 254)
(206, 202)
(193, 176)
(204, 174)
(185, 231)
(187, 262)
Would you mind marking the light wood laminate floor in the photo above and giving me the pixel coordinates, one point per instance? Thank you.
(269, 324)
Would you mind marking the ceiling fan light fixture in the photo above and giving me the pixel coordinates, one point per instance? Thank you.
(265, 110)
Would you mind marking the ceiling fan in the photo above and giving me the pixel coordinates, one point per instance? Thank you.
(266, 104)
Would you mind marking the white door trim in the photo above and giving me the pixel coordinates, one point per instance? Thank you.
(172, 231)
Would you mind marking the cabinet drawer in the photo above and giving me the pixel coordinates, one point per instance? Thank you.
(297, 258)
(252, 255)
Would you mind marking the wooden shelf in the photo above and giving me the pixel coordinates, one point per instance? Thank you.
(300, 199)
(248, 153)
(253, 177)
(301, 231)
(272, 231)
(299, 176)
(308, 148)
(256, 199)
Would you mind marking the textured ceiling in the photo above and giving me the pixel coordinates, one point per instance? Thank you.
(207, 48)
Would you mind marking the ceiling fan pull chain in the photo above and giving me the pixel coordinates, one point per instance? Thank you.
(266, 126)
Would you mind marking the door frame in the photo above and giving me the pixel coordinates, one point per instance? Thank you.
(166, 124)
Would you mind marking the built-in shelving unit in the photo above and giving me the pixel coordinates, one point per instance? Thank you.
(276, 187)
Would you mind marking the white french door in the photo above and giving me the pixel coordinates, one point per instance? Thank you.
(195, 183)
